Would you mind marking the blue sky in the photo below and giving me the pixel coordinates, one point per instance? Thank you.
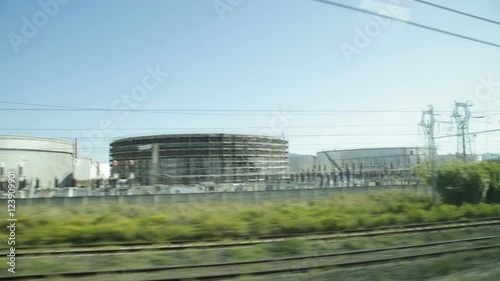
(259, 54)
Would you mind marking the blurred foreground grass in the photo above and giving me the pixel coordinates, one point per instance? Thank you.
(120, 223)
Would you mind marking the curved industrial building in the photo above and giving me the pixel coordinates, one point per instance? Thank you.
(393, 165)
(37, 162)
(197, 158)
(390, 160)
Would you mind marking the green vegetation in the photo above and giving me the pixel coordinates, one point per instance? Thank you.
(77, 225)
(477, 266)
(296, 247)
(460, 182)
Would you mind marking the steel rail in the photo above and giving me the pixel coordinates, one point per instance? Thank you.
(329, 266)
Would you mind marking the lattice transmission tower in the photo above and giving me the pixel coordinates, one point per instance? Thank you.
(428, 123)
(462, 116)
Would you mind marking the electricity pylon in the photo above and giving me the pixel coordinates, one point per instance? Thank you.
(428, 123)
(462, 115)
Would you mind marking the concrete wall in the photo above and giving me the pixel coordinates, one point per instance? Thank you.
(217, 197)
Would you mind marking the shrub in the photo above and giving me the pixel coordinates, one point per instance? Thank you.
(460, 182)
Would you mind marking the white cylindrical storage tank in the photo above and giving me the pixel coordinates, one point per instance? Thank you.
(37, 162)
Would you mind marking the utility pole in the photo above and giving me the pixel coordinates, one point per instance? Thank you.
(428, 123)
(462, 116)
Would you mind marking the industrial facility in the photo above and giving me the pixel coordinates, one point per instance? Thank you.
(191, 159)
(367, 159)
(361, 166)
(302, 162)
(386, 160)
(37, 162)
(90, 173)
(193, 163)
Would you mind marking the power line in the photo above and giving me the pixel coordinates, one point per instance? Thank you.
(322, 147)
(384, 134)
(473, 133)
(375, 134)
(248, 112)
(409, 23)
(199, 128)
(189, 111)
(39, 104)
(331, 146)
(302, 145)
(456, 11)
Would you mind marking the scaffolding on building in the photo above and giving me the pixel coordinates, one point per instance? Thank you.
(196, 158)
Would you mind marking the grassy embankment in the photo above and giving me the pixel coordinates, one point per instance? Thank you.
(91, 224)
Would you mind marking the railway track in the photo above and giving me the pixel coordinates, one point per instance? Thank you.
(280, 265)
(397, 230)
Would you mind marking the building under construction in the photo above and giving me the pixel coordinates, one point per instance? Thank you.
(199, 158)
